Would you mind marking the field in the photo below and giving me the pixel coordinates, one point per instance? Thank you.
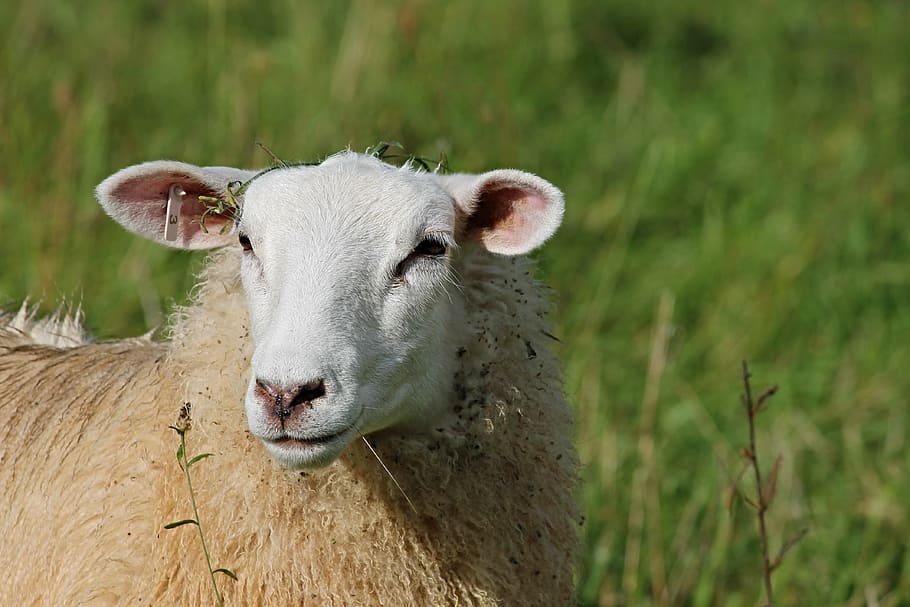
(738, 187)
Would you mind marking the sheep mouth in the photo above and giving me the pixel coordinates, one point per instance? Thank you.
(300, 453)
(306, 448)
(315, 441)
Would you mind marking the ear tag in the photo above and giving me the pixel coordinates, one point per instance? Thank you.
(172, 215)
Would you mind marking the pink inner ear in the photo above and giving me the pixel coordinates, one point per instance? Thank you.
(506, 219)
(148, 206)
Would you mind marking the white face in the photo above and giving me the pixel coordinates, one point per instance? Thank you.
(355, 311)
(350, 296)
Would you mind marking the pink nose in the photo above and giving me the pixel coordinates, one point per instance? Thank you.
(283, 401)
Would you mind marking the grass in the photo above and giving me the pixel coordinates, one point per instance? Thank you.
(747, 163)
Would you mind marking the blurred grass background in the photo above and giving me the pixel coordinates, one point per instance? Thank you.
(737, 180)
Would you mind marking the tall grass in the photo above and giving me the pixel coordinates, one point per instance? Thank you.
(747, 162)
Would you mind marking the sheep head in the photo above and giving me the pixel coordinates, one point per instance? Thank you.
(347, 267)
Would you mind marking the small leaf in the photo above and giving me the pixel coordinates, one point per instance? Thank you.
(181, 454)
(186, 521)
(199, 457)
(226, 572)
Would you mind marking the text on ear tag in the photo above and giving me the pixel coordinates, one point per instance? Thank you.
(172, 213)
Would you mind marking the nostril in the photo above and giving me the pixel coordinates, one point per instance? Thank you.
(266, 390)
(308, 392)
(283, 401)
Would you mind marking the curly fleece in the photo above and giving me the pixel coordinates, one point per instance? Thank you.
(89, 477)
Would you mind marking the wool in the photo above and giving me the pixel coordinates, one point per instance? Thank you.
(61, 329)
(88, 470)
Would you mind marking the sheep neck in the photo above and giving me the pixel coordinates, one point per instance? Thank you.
(491, 492)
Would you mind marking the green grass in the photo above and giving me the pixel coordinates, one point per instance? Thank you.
(748, 162)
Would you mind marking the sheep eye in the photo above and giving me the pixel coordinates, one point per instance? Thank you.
(245, 242)
(430, 247)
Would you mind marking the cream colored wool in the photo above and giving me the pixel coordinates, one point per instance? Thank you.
(89, 477)
(62, 329)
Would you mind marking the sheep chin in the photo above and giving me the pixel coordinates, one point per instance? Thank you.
(305, 454)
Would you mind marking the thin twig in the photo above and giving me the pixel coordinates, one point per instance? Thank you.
(762, 505)
(387, 471)
(793, 541)
(735, 490)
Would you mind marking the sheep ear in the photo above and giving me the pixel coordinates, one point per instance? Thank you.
(160, 201)
(510, 212)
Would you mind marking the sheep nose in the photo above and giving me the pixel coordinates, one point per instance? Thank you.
(284, 400)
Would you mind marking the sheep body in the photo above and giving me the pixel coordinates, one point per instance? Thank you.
(87, 467)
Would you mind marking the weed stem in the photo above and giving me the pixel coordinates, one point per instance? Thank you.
(762, 506)
(205, 550)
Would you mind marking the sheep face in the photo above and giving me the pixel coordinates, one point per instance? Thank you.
(346, 267)
(348, 272)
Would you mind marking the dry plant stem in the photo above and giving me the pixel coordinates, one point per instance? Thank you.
(205, 550)
(389, 472)
(793, 541)
(761, 506)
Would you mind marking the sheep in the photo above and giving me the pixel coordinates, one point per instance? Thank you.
(350, 307)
